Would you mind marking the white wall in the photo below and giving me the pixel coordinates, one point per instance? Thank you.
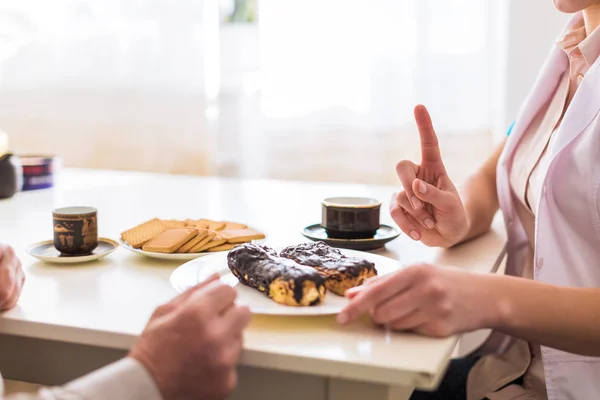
(524, 31)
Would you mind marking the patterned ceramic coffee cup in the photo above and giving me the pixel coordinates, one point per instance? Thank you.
(75, 230)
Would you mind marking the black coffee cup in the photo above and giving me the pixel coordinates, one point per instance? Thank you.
(350, 217)
(75, 230)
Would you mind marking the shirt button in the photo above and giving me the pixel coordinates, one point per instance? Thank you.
(544, 190)
(579, 79)
(540, 262)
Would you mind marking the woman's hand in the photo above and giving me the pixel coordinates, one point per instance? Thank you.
(12, 278)
(440, 302)
(426, 299)
(428, 208)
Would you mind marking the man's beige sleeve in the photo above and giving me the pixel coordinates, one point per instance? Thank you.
(124, 380)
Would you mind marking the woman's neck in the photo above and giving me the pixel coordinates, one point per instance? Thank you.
(591, 18)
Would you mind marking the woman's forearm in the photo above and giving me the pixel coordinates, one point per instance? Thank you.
(480, 196)
(564, 318)
(481, 203)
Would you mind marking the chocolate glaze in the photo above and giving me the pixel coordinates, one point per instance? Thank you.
(258, 266)
(322, 256)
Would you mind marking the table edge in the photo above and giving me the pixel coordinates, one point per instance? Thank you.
(250, 357)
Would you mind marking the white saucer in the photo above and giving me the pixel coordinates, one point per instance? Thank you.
(46, 252)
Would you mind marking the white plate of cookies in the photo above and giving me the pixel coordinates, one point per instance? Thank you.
(171, 239)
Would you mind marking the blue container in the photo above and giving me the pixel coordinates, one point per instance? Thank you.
(38, 171)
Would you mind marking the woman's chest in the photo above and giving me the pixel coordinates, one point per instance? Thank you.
(568, 214)
(570, 188)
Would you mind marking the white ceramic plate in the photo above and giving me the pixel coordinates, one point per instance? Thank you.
(193, 272)
(174, 256)
(46, 252)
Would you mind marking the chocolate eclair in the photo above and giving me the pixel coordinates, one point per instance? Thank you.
(281, 279)
(340, 272)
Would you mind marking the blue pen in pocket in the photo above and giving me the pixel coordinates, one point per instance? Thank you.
(510, 128)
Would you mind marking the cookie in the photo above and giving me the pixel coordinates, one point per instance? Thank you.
(202, 233)
(242, 235)
(209, 237)
(217, 241)
(170, 240)
(229, 226)
(174, 223)
(138, 235)
(212, 225)
(223, 247)
(196, 224)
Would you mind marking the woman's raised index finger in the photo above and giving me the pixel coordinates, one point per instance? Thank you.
(430, 149)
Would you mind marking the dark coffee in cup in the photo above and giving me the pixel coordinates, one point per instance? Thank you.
(75, 230)
(350, 217)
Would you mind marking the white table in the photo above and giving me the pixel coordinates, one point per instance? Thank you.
(103, 306)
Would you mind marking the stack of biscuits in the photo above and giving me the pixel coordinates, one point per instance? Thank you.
(189, 236)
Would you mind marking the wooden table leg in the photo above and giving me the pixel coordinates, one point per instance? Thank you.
(339, 389)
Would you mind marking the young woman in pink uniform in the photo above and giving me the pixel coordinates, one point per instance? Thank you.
(545, 178)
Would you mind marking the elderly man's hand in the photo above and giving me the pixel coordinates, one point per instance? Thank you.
(12, 278)
(191, 344)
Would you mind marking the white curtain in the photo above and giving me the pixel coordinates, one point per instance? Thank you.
(109, 83)
(365, 63)
(94, 43)
(136, 83)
